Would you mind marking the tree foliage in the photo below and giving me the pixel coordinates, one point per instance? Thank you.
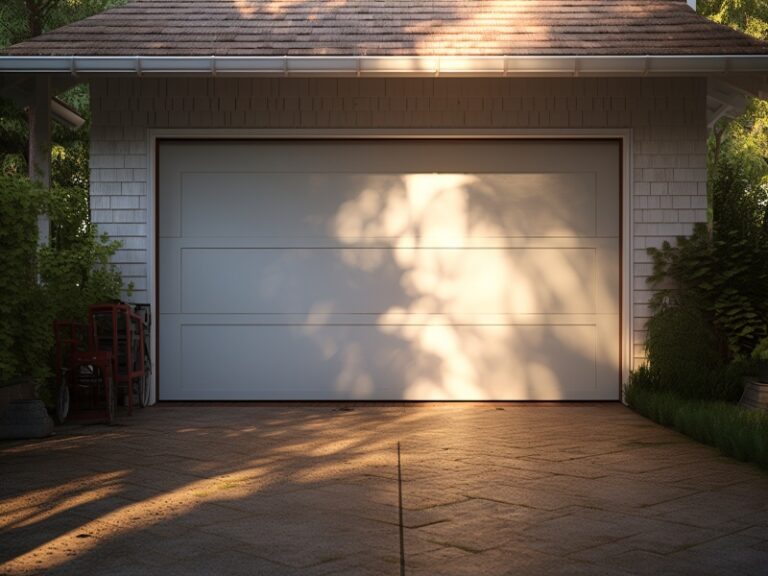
(20, 20)
(22, 341)
(38, 284)
(41, 283)
(742, 140)
(710, 310)
(750, 16)
(75, 266)
(723, 277)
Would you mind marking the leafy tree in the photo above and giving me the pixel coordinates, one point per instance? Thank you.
(750, 16)
(13, 139)
(20, 20)
(710, 310)
(40, 283)
(24, 340)
(742, 142)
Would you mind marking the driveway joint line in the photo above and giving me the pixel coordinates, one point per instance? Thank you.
(400, 511)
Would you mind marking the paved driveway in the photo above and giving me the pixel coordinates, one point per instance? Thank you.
(485, 488)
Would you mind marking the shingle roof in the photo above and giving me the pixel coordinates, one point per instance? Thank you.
(393, 27)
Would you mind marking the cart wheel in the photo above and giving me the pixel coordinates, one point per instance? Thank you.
(144, 391)
(111, 399)
(62, 403)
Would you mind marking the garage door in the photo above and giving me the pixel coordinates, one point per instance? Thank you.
(388, 270)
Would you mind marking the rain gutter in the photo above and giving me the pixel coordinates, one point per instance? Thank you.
(388, 66)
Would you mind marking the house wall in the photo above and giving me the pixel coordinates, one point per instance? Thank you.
(667, 117)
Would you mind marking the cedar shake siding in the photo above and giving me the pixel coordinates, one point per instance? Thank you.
(666, 118)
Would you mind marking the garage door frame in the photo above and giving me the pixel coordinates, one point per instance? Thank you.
(623, 136)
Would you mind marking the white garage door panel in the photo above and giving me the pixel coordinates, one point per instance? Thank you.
(327, 270)
(607, 281)
(371, 280)
(518, 160)
(454, 362)
(340, 205)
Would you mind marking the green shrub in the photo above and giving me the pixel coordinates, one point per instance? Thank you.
(75, 267)
(680, 346)
(710, 309)
(40, 284)
(724, 383)
(23, 309)
(683, 357)
(722, 272)
(736, 432)
(642, 379)
(725, 278)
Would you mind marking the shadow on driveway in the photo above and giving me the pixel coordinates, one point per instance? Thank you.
(313, 489)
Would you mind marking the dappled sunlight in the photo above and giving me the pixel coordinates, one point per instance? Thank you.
(439, 205)
(280, 452)
(425, 219)
(137, 516)
(436, 30)
(65, 443)
(353, 379)
(487, 262)
(306, 489)
(39, 505)
(361, 217)
(471, 23)
(245, 7)
(255, 7)
(386, 270)
(458, 373)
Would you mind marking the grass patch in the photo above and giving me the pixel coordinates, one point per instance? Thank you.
(735, 431)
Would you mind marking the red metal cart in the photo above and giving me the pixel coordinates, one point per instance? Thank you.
(84, 375)
(101, 360)
(117, 329)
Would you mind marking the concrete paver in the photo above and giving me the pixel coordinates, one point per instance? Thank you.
(314, 490)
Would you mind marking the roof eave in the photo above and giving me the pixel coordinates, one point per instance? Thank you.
(389, 66)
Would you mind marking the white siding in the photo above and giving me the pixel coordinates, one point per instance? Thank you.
(667, 117)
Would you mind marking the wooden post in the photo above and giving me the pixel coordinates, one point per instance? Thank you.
(40, 145)
(40, 165)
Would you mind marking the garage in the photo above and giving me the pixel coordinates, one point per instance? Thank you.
(389, 269)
